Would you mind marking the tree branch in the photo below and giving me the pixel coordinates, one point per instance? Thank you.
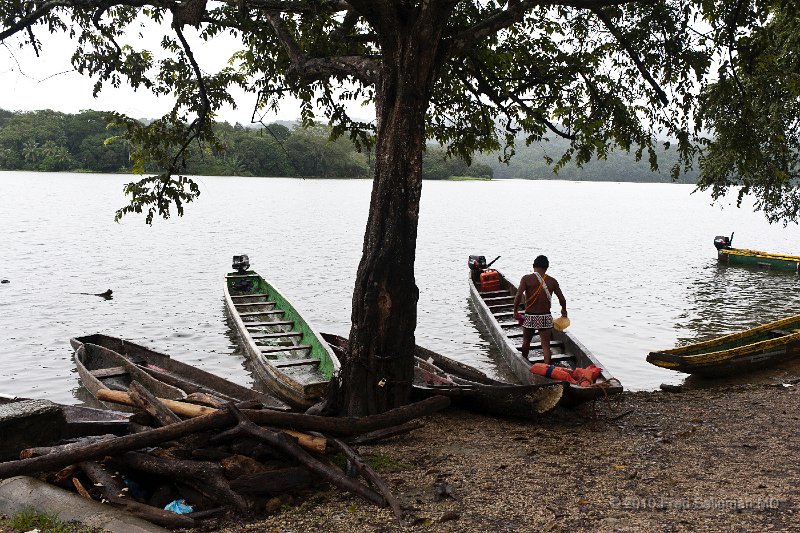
(626, 45)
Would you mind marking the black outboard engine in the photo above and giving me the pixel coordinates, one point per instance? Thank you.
(241, 263)
(477, 263)
(721, 241)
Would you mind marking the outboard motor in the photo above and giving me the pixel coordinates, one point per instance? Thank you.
(241, 263)
(721, 241)
(477, 263)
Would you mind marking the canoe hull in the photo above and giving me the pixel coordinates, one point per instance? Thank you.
(738, 353)
(754, 258)
(572, 350)
(178, 374)
(299, 393)
(471, 389)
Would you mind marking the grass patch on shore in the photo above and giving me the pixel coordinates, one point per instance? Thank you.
(30, 519)
(383, 463)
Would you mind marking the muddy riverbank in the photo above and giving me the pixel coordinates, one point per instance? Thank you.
(720, 459)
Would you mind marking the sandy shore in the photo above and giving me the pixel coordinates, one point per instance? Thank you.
(722, 459)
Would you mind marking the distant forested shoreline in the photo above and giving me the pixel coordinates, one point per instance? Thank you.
(51, 141)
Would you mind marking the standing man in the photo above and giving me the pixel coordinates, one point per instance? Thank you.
(538, 289)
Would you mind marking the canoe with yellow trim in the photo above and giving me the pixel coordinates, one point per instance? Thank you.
(741, 256)
(736, 353)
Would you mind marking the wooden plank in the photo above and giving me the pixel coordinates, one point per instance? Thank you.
(500, 306)
(538, 346)
(111, 371)
(253, 303)
(494, 293)
(279, 335)
(507, 314)
(555, 358)
(249, 295)
(284, 363)
(509, 297)
(240, 276)
(510, 325)
(273, 323)
(271, 349)
(257, 313)
(515, 334)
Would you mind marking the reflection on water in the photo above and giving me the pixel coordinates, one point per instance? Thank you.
(635, 261)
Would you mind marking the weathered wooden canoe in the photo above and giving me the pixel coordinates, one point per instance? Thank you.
(286, 351)
(495, 308)
(101, 368)
(470, 388)
(174, 373)
(736, 353)
(741, 256)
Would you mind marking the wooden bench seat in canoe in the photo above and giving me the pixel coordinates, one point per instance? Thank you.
(243, 304)
(273, 323)
(109, 372)
(257, 313)
(285, 363)
(496, 298)
(554, 359)
(538, 346)
(271, 349)
(278, 335)
(239, 296)
(494, 293)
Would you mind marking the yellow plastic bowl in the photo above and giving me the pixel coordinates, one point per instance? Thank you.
(561, 323)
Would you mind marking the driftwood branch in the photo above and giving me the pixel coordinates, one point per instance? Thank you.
(290, 447)
(219, 420)
(369, 474)
(144, 399)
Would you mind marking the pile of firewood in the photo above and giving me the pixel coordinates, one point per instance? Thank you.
(240, 459)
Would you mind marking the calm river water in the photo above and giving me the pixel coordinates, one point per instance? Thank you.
(635, 261)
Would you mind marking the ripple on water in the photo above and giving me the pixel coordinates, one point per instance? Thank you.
(634, 260)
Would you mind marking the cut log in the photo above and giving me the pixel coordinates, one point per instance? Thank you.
(45, 450)
(205, 476)
(237, 466)
(290, 446)
(179, 408)
(144, 399)
(218, 420)
(273, 482)
(382, 434)
(112, 489)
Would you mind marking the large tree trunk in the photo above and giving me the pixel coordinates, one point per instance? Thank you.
(378, 373)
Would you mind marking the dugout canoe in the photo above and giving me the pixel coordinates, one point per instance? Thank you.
(164, 369)
(495, 309)
(737, 353)
(742, 256)
(287, 352)
(470, 388)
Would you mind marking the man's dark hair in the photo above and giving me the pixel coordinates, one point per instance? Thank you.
(541, 262)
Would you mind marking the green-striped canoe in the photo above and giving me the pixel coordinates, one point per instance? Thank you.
(288, 354)
(736, 353)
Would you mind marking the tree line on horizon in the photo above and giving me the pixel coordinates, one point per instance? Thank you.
(53, 141)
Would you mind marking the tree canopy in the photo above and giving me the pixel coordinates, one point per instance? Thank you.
(472, 75)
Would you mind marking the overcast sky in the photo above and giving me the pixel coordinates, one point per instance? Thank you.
(28, 82)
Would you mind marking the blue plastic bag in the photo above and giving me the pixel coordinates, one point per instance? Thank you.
(179, 507)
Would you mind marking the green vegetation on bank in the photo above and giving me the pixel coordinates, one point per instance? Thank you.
(51, 141)
(30, 520)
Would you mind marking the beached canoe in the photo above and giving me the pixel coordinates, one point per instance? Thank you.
(736, 353)
(164, 369)
(100, 368)
(470, 388)
(495, 309)
(285, 349)
(741, 256)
